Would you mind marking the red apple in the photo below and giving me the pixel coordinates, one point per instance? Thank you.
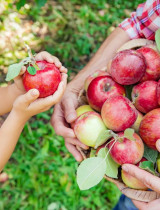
(46, 80)
(118, 113)
(92, 76)
(88, 127)
(150, 128)
(128, 67)
(100, 89)
(152, 58)
(144, 96)
(158, 92)
(125, 150)
(131, 181)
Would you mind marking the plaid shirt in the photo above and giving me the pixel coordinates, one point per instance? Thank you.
(144, 22)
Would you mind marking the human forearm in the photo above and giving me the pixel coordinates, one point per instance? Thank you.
(9, 134)
(107, 50)
(7, 97)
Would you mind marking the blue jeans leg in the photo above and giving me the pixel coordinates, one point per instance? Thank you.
(125, 203)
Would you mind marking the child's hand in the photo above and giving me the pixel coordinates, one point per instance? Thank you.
(40, 56)
(28, 105)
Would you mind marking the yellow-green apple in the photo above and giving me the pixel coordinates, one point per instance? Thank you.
(118, 113)
(46, 79)
(128, 67)
(158, 163)
(88, 127)
(144, 96)
(150, 128)
(124, 150)
(80, 110)
(100, 89)
(92, 76)
(158, 92)
(152, 58)
(131, 181)
(137, 123)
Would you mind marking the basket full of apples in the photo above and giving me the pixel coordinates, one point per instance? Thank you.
(119, 119)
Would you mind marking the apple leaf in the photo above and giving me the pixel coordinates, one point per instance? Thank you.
(128, 133)
(90, 172)
(31, 70)
(103, 137)
(92, 153)
(14, 70)
(147, 166)
(150, 154)
(157, 39)
(111, 165)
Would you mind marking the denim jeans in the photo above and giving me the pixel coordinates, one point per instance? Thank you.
(125, 203)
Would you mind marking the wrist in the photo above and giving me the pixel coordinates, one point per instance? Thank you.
(18, 117)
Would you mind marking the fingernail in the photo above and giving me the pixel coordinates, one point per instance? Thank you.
(35, 92)
(125, 168)
(79, 158)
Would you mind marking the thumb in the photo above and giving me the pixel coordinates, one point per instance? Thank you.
(69, 110)
(30, 96)
(158, 145)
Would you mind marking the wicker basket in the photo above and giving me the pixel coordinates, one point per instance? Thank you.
(139, 195)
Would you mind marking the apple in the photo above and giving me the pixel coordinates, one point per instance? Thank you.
(158, 163)
(144, 96)
(150, 128)
(128, 67)
(131, 181)
(88, 127)
(80, 110)
(92, 76)
(158, 92)
(46, 80)
(125, 150)
(118, 113)
(100, 89)
(152, 58)
(137, 123)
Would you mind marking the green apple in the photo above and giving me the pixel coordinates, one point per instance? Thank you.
(137, 123)
(82, 109)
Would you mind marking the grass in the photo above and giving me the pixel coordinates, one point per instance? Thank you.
(42, 172)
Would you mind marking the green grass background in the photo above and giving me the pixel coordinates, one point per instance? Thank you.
(42, 172)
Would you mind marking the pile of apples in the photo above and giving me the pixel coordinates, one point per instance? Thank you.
(127, 95)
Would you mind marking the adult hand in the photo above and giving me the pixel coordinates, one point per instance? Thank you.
(64, 114)
(151, 181)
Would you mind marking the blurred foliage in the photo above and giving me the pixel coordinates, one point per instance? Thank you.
(41, 171)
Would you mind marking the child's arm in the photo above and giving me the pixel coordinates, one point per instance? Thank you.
(24, 107)
(11, 92)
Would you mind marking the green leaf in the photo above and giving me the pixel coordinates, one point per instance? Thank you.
(157, 39)
(41, 3)
(147, 166)
(150, 154)
(128, 133)
(90, 172)
(14, 70)
(20, 4)
(31, 70)
(111, 165)
(103, 137)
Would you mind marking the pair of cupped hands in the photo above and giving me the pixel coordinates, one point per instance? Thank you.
(28, 104)
(65, 113)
